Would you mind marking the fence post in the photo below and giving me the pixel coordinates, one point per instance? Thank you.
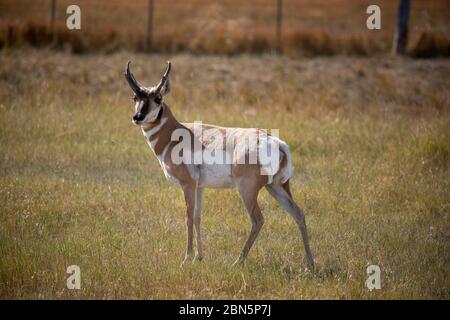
(279, 24)
(149, 36)
(52, 19)
(401, 34)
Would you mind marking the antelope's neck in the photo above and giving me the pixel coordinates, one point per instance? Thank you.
(158, 133)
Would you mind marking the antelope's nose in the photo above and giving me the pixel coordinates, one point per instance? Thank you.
(137, 118)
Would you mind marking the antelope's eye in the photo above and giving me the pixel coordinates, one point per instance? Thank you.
(158, 99)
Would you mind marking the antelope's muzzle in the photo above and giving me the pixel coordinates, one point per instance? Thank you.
(137, 118)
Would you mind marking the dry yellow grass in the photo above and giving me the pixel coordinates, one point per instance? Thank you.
(78, 185)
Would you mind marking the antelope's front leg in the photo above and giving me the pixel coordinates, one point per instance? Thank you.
(197, 219)
(189, 196)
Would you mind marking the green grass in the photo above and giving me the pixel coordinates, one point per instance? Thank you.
(78, 184)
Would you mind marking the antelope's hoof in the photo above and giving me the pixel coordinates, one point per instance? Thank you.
(239, 262)
(311, 265)
(186, 260)
(198, 258)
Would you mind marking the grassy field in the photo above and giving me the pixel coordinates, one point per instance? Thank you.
(310, 27)
(370, 139)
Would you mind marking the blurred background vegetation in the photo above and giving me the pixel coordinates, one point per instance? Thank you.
(309, 27)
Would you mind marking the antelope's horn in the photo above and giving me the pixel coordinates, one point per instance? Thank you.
(134, 84)
(164, 77)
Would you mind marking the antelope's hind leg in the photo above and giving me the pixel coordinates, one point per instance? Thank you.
(282, 193)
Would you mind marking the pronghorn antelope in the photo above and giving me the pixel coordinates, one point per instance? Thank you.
(159, 127)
